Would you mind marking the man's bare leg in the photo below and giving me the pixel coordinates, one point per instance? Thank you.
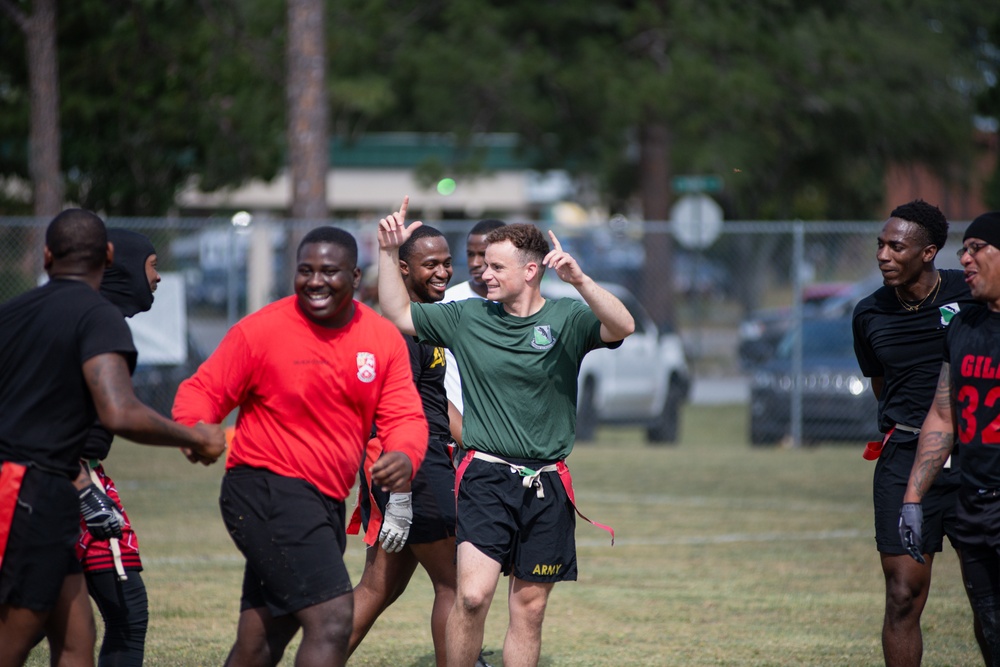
(70, 627)
(19, 630)
(438, 559)
(907, 583)
(478, 575)
(384, 579)
(261, 638)
(326, 629)
(326, 632)
(527, 601)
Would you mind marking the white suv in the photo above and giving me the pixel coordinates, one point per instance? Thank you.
(645, 381)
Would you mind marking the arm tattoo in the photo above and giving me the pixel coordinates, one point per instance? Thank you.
(942, 395)
(935, 448)
(937, 437)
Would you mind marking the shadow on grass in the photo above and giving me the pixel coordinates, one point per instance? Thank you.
(494, 658)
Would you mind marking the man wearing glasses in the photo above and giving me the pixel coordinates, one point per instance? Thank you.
(898, 339)
(966, 402)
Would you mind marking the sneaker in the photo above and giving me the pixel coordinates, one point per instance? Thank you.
(480, 662)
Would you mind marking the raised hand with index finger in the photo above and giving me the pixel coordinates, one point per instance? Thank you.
(392, 229)
(565, 266)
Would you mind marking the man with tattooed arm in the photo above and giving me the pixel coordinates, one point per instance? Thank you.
(967, 403)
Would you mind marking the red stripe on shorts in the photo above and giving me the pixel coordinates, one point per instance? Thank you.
(11, 476)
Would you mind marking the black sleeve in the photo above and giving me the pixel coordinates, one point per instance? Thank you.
(867, 361)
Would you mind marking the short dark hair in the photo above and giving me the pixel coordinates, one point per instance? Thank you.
(528, 239)
(925, 215)
(78, 236)
(333, 235)
(486, 226)
(422, 232)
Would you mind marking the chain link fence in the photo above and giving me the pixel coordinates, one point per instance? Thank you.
(739, 304)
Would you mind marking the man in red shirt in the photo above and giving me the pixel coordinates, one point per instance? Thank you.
(310, 374)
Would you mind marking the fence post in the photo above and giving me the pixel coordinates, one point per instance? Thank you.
(798, 264)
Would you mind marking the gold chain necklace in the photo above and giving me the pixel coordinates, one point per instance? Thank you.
(914, 308)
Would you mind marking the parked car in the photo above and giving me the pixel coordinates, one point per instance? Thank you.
(760, 333)
(837, 400)
(644, 382)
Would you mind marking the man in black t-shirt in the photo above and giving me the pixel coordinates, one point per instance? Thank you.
(966, 401)
(898, 339)
(65, 357)
(425, 263)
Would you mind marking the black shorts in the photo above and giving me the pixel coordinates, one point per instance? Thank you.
(978, 519)
(978, 541)
(533, 538)
(892, 472)
(41, 545)
(433, 490)
(292, 537)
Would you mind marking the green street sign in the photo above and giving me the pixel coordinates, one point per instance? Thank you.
(696, 184)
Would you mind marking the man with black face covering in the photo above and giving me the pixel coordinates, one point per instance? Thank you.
(112, 565)
(65, 358)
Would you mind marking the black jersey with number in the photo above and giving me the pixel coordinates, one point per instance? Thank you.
(46, 335)
(973, 351)
(428, 364)
(905, 347)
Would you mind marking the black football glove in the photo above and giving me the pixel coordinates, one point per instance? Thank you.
(99, 512)
(911, 526)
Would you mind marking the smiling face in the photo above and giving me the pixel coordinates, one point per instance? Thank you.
(982, 272)
(427, 271)
(505, 276)
(903, 250)
(325, 280)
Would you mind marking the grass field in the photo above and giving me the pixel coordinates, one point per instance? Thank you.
(725, 555)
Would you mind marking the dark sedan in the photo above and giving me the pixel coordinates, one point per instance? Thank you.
(837, 401)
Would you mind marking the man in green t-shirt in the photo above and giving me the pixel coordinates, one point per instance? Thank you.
(520, 356)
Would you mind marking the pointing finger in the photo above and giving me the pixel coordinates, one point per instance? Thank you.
(403, 207)
(555, 241)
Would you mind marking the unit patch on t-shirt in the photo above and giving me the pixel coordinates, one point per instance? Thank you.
(542, 338)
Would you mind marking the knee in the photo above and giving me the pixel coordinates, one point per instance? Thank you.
(529, 611)
(902, 600)
(330, 623)
(471, 603)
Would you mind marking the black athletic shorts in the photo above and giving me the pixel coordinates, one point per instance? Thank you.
(433, 490)
(533, 538)
(977, 536)
(41, 546)
(892, 472)
(292, 537)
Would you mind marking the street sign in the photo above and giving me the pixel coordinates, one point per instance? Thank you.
(683, 184)
(696, 221)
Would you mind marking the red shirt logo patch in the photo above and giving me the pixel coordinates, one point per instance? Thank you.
(366, 366)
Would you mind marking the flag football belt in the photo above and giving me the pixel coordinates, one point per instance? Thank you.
(531, 478)
(366, 498)
(874, 449)
(11, 476)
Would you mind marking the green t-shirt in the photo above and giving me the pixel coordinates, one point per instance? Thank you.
(519, 374)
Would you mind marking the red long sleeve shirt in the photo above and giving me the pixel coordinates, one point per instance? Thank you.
(308, 395)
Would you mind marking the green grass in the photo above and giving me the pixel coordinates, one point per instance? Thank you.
(725, 555)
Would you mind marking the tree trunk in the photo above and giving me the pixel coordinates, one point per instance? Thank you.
(308, 146)
(43, 77)
(657, 292)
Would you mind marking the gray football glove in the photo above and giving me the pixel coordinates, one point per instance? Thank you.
(99, 512)
(911, 526)
(396, 522)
